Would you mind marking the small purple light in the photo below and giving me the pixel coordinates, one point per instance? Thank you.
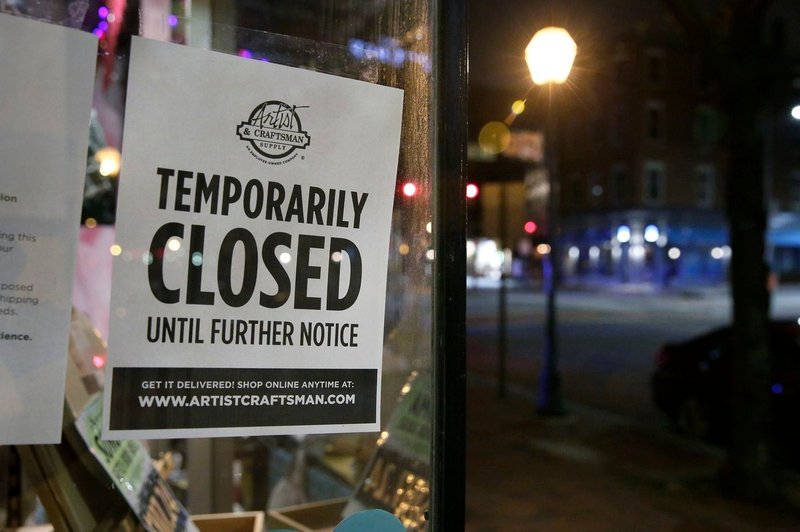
(102, 25)
(245, 53)
(264, 60)
(99, 33)
(172, 20)
(102, 11)
(356, 48)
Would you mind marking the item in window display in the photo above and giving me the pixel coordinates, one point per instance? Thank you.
(134, 474)
(70, 477)
(292, 488)
(100, 183)
(396, 477)
(13, 485)
(371, 520)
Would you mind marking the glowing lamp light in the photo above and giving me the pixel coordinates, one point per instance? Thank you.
(651, 233)
(624, 234)
(796, 112)
(102, 11)
(247, 54)
(637, 252)
(674, 253)
(543, 249)
(99, 361)
(109, 159)
(172, 20)
(550, 55)
(409, 189)
(530, 227)
(472, 191)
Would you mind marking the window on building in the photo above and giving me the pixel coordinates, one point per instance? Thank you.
(620, 64)
(576, 196)
(794, 190)
(596, 189)
(702, 77)
(777, 33)
(654, 120)
(617, 124)
(705, 125)
(655, 67)
(654, 185)
(704, 185)
(620, 185)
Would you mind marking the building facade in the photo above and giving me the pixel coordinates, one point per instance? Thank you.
(642, 170)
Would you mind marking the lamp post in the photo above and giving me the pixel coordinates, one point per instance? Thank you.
(550, 55)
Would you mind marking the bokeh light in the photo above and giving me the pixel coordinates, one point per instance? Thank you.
(494, 138)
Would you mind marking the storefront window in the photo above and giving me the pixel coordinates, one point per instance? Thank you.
(252, 317)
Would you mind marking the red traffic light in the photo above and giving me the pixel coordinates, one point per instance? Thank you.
(409, 189)
(530, 227)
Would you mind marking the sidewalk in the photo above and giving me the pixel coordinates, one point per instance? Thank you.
(593, 471)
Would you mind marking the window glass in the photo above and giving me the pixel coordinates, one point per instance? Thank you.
(655, 67)
(654, 121)
(313, 480)
(704, 185)
(654, 182)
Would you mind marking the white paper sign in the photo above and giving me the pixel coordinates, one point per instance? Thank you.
(253, 222)
(46, 80)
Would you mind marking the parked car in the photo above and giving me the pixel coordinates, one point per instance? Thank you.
(691, 383)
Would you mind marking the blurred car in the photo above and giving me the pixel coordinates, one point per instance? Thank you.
(691, 383)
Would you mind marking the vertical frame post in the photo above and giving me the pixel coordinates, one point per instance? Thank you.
(449, 336)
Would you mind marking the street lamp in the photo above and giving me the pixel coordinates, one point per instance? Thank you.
(550, 55)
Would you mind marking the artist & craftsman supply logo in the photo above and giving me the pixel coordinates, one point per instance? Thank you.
(273, 132)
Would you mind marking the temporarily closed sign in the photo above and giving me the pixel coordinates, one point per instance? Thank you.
(253, 227)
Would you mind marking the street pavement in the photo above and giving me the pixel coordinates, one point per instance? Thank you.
(591, 471)
(594, 469)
